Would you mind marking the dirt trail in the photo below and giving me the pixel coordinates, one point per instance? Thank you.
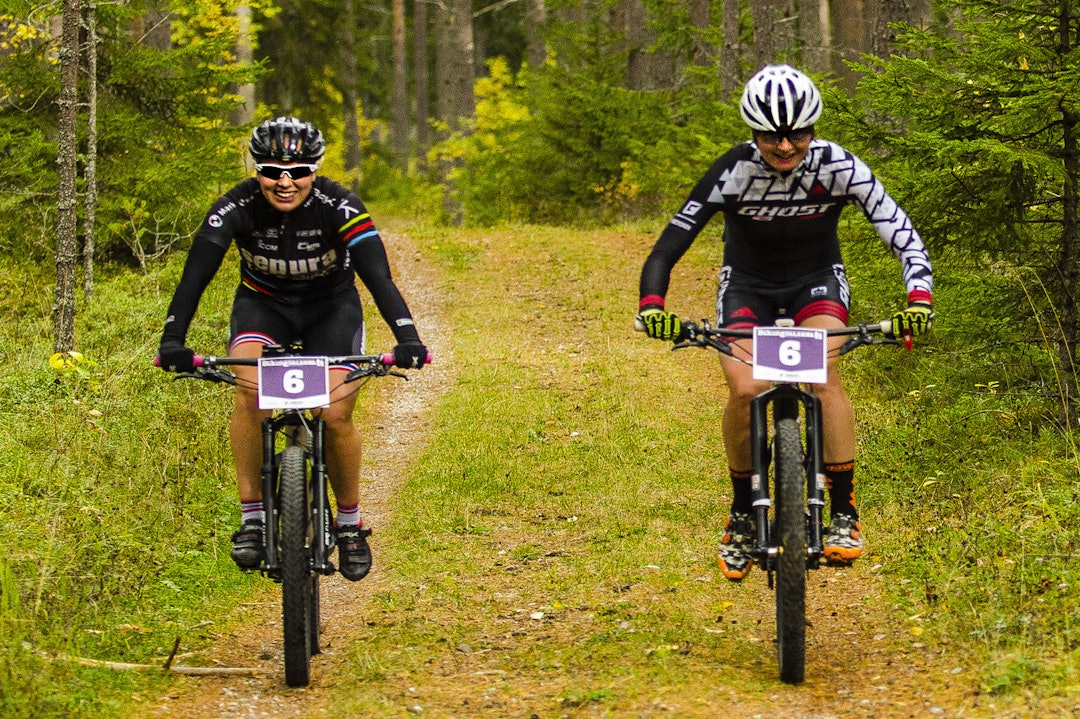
(862, 662)
(389, 445)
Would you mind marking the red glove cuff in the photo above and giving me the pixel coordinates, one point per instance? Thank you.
(651, 301)
(922, 297)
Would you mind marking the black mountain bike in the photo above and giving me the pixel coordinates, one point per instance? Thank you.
(788, 502)
(299, 530)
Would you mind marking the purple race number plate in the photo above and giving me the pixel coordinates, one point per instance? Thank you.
(294, 382)
(791, 354)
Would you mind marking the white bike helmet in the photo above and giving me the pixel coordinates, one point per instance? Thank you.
(778, 98)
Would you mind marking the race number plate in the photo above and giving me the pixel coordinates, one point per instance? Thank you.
(294, 382)
(791, 354)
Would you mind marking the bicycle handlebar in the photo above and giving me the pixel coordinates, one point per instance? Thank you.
(386, 359)
(704, 334)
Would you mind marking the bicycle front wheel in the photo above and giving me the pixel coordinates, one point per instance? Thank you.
(790, 488)
(296, 575)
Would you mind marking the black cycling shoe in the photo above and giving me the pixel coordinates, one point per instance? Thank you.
(354, 554)
(247, 548)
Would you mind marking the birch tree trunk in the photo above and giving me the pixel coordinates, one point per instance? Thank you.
(67, 204)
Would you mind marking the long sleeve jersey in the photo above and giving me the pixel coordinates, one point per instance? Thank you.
(781, 227)
(296, 257)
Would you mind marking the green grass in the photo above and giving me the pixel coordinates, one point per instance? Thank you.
(115, 494)
(551, 548)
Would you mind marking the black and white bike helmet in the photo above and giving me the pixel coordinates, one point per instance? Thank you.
(286, 139)
(779, 98)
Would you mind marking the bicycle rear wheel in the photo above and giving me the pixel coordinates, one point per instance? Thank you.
(296, 575)
(790, 487)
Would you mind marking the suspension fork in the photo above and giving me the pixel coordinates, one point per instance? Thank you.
(785, 400)
(815, 474)
(320, 502)
(270, 491)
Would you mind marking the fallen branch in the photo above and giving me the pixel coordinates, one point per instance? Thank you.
(169, 667)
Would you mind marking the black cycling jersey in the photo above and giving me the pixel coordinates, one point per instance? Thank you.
(298, 257)
(783, 227)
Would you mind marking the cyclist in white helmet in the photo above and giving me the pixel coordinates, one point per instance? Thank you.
(782, 195)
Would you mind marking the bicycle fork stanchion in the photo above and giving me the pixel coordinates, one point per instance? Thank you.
(269, 482)
(759, 478)
(815, 474)
(320, 503)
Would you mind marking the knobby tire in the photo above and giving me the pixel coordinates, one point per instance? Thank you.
(790, 488)
(296, 574)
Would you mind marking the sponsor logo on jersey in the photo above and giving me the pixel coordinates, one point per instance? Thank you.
(769, 212)
(301, 268)
(341, 205)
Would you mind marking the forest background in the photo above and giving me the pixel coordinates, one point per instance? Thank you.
(121, 122)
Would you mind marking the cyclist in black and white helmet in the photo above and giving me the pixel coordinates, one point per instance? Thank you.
(303, 239)
(782, 195)
(286, 139)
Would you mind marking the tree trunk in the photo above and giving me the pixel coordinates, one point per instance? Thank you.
(814, 34)
(423, 88)
(848, 38)
(91, 150)
(645, 69)
(729, 55)
(454, 79)
(350, 94)
(245, 113)
(1069, 258)
(67, 204)
(454, 71)
(700, 17)
(154, 29)
(399, 122)
(535, 47)
(763, 15)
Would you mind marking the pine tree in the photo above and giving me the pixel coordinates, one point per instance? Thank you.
(981, 119)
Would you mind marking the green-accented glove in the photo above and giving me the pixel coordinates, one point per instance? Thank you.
(913, 321)
(659, 324)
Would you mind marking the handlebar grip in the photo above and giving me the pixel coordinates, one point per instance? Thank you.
(387, 359)
(196, 360)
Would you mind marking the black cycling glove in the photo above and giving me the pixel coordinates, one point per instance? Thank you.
(410, 355)
(175, 357)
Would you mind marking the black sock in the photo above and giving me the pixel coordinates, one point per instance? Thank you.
(743, 501)
(840, 481)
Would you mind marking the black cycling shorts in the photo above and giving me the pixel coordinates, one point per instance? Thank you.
(329, 326)
(743, 301)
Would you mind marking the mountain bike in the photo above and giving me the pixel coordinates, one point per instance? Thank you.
(788, 502)
(299, 530)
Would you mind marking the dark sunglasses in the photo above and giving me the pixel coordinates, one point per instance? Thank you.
(793, 136)
(295, 172)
